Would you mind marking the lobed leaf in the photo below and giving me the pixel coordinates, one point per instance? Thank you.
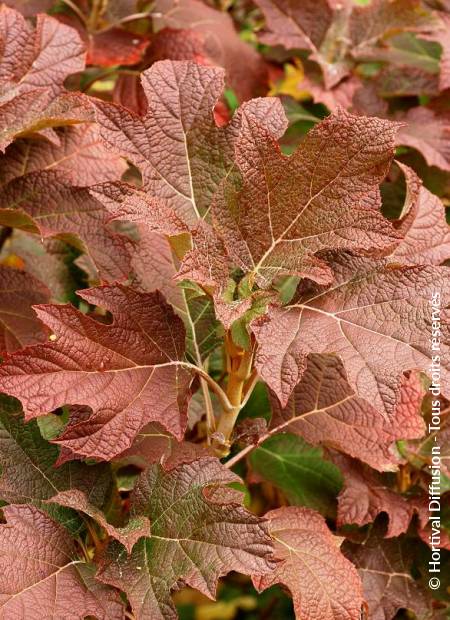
(68, 212)
(129, 372)
(324, 409)
(429, 132)
(323, 583)
(221, 45)
(79, 153)
(426, 234)
(282, 210)
(42, 574)
(33, 67)
(181, 153)
(197, 526)
(366, 494)
(299, 471)
(128, 534)
(373, 306)
(384, 567)
(28, 468)
(19, 325)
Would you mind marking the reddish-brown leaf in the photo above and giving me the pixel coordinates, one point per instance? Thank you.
(19, 325)
(115, 46)
(180, 151)
(429, 132)
(33, 67)
(282, 210)
(175, 44)
(383, 18)
(29, 8)
(426, 234)
(324, 409)
(129, 372)
(376, 316)
(42, 576)
(366, 494)
(318, 27)
(45, 260)
(37, 59)
(384, 567)
(245, 69)
(198, 526)
(128, 535)
(45, 202)
(29, 472)
(323, 583)
(80, 154)
(155, 445)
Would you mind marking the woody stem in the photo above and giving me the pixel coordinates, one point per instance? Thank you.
(240, 371)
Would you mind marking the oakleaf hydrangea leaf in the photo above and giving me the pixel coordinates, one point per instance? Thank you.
(376, 317)
(130, 372)
(68, 212)
(80, 154)
(200, 530)
(282, 210)
(33, 67)
(42, 576)
(19, 325)
(324, 409)
(426, 234)
(28, 468)
(180, 151)
(428, 131)
(128, 534)
(384, 567)
(323, 583)
(209, 37)
(365, 495)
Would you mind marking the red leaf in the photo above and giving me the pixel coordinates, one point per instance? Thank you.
(280, 211)
(366, 494)
(29, 472)
(323, 583)
(128, 535)
(46, 203)
(188, 155)
(371, 307)
(19, 325)
(429, 132)
(426, 234)
(199, 525)
(33, 67)
(384, 567)
(245, 69)
(79, 153)
(115, 46)
(42, 574)
(129, 372)
(324, 409)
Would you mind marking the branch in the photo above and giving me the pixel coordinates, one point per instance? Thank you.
(240, 374)
(210, 418)
(249, 387)
(76, 10)
(240, 455)
(221, 395)
(128, 19)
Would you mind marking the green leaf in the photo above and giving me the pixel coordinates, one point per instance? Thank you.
(258, 405)
(299, 471)
(28, 472)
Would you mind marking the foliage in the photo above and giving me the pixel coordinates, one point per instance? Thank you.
(216, 314)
